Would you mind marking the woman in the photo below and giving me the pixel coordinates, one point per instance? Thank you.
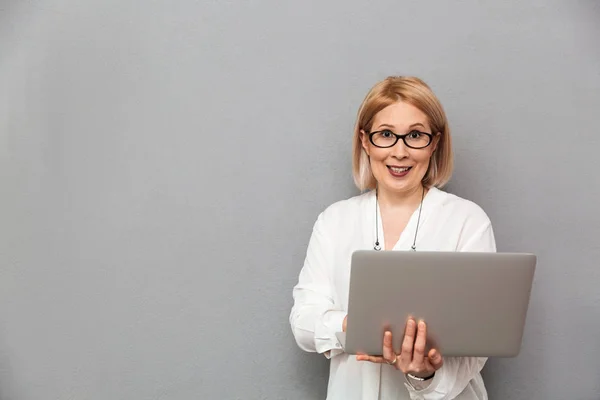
(402, 156)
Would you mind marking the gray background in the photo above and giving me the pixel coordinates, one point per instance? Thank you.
(162, 164)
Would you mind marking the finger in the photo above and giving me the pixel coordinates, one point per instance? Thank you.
(409, 340)
(435, 359)
(373, 359)
(388, 350)
(419, 350)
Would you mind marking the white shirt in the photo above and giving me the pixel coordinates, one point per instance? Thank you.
(448, 223)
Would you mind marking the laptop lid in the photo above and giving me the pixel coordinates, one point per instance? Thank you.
(475, 304)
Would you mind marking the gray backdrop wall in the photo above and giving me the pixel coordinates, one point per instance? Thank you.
(162, 164)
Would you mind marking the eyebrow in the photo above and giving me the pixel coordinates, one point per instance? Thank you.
(391, 126)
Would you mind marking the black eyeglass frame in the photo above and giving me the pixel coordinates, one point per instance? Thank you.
(403, 137)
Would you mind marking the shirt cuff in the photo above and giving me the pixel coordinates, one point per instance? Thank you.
(419, 389)
(325, 330)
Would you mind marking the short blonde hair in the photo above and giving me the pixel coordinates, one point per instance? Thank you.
(413, 91)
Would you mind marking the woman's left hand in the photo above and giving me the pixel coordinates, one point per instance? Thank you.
(412, 358)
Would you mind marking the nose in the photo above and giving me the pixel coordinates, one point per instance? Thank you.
(400, 150)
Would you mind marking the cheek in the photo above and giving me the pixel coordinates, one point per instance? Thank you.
(378, 154)
(423, 159)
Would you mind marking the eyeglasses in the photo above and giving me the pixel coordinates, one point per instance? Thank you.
(413, 139)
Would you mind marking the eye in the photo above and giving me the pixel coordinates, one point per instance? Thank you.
(415, 135)
(387, 134)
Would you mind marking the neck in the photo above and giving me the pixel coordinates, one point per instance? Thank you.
(410, 198)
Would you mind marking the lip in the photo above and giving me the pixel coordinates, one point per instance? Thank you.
(401, 174)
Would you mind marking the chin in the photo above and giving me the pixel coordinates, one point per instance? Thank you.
(398, 186)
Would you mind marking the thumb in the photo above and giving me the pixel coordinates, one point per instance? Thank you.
(435, 359)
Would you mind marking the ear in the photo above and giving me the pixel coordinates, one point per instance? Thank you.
(364, 138)
(436, 140)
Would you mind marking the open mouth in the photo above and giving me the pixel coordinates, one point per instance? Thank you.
(398, 171)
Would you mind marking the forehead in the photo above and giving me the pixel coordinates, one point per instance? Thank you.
(400, 115)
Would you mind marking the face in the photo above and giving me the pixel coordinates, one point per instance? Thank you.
(399, 169)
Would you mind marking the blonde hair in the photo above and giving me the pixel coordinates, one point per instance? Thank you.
(413, 91)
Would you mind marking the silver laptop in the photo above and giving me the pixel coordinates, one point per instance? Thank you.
(474, 304)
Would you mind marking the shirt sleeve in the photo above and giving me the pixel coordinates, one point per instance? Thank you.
(314, 317)
(456, 372)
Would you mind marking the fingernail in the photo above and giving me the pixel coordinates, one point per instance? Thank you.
(421, 324)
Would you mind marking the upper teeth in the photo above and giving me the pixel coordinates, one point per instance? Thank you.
(398, 169)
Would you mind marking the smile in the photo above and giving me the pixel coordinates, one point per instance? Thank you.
(399, 170)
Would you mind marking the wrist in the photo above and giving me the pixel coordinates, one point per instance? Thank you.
(421, 378)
